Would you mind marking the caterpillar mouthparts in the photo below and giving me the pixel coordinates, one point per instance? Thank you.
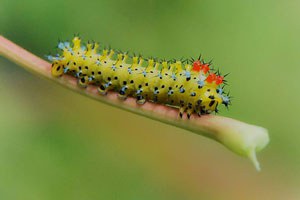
(188, 85)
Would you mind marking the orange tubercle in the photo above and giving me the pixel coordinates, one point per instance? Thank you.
(197, 66)
(205, 68)
(219, 80)
(211, 77)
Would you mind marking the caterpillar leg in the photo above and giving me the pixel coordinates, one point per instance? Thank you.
(140, 100)
(189, 113)
(83, 82)
(181, 111)
(103, 88)
(199, 113)
(122, 93)
(155, 99)
(190, 110)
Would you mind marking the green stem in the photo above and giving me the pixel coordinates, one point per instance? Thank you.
(244, 139)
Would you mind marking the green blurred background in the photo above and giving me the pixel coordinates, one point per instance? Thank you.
(56, 144)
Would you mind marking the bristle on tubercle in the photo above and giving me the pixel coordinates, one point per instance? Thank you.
(188, 84)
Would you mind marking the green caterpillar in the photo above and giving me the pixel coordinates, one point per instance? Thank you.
(191, 87)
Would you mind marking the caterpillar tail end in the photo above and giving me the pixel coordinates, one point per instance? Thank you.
(57, 70)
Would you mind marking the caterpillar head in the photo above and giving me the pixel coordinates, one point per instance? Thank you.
(210, 98)
(212, 94)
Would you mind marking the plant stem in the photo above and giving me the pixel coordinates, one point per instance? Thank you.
(244, 139)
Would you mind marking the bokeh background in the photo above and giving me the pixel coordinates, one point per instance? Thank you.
(57, 144)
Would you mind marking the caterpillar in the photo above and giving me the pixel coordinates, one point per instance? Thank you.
(188, 85)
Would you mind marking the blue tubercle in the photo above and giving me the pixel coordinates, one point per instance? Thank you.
(174, 77)
(220, 90)
(187, 74)
(139, 91)
(201, 83)
(66, 70)
(225, 99)
(144, 73)
(61, 45)
(91, 78)
(67, 44)
(124, 88)
(78, 73)
(170, 92)
(50, 58)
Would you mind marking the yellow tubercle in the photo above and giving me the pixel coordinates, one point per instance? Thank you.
(164, 64)
(150, 63)
(141, 60)
(89, 47)
(95, 48)
(77, 42)
(111, 53)
(135, 60)
(104, 54)
(125, 57)
(156, 65)
(188, 67)
(178, 66)
(120, 57)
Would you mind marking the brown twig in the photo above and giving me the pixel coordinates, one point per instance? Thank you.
(242, 138)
